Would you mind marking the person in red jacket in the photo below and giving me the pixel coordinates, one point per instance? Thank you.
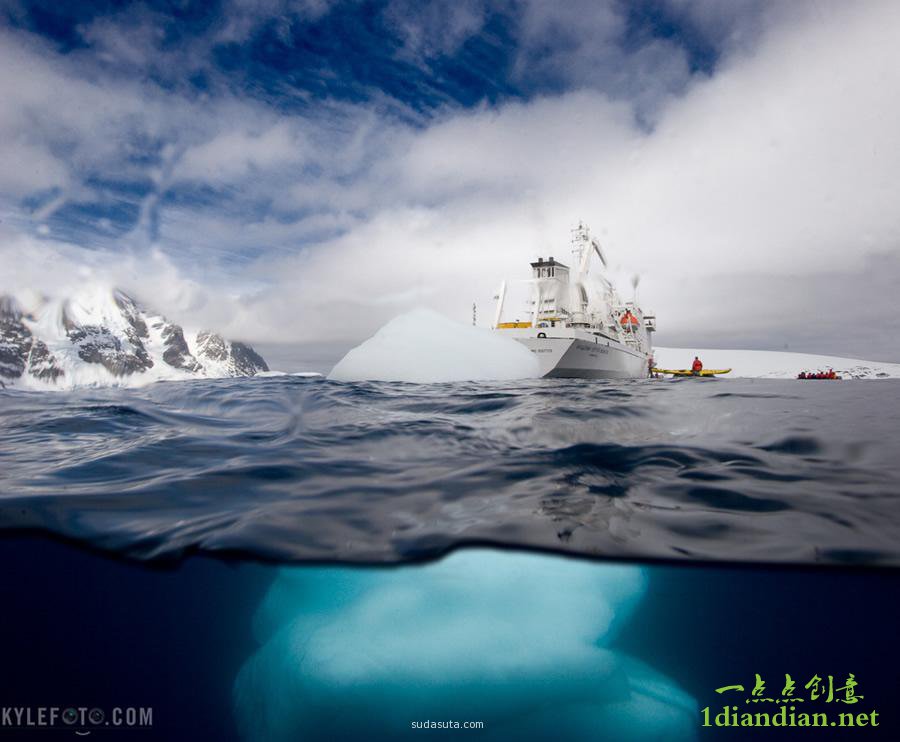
(696, 366)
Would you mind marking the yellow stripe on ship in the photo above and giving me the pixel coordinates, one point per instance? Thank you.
(513, 325)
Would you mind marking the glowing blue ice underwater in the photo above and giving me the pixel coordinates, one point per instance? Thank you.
(518, 641)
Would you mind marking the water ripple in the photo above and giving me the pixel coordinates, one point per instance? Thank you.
(307, 469)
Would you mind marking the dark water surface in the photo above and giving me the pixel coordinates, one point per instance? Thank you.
(302, 469)
(85, 631)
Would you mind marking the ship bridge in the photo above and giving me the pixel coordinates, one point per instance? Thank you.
(551, 297)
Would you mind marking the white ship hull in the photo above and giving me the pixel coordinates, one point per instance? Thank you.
(575, 354)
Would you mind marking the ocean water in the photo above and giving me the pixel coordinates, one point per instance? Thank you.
(197, 644)
(287, 558)
(301, 469)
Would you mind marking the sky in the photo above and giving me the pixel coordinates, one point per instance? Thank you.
(298, 173)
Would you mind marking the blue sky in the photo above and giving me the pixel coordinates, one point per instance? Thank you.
(423, 55)
(240, 161)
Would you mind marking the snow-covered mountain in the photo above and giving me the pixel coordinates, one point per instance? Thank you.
(102, 337)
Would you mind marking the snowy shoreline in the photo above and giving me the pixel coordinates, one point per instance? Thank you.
(773, 364)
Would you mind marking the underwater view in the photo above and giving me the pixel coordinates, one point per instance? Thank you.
(294, 558)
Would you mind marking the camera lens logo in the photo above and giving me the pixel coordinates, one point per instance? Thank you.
(96, 716)
(69, 716)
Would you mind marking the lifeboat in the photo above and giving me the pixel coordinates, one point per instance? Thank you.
(829, 374)
(629, 322)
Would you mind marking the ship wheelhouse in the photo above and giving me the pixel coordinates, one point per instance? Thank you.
(549, 303)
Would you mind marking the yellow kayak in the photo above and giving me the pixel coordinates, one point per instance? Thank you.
(688, 372)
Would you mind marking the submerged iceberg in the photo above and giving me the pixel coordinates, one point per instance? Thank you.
(423, 346)
(520, 642)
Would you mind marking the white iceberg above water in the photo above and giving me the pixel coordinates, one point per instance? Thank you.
(521, 642)
(423, 346)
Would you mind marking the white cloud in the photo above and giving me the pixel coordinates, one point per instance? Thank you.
(131, 43)
(785, 161)
(436, 28)
(241, 18)
(583, 44)
(58, 269)
(236, 154)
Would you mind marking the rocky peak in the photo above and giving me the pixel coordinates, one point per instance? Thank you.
(121, 353)
(211, 346)
(236, 358)
(177, 353)
(109, 330)
(246, 360)
(20, 351)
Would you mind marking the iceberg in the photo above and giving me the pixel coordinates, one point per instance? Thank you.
(423, 346)
(518, 641)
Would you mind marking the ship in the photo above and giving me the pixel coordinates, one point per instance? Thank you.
(575, 322)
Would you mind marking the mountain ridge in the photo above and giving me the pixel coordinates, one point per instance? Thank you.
(103, 337)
